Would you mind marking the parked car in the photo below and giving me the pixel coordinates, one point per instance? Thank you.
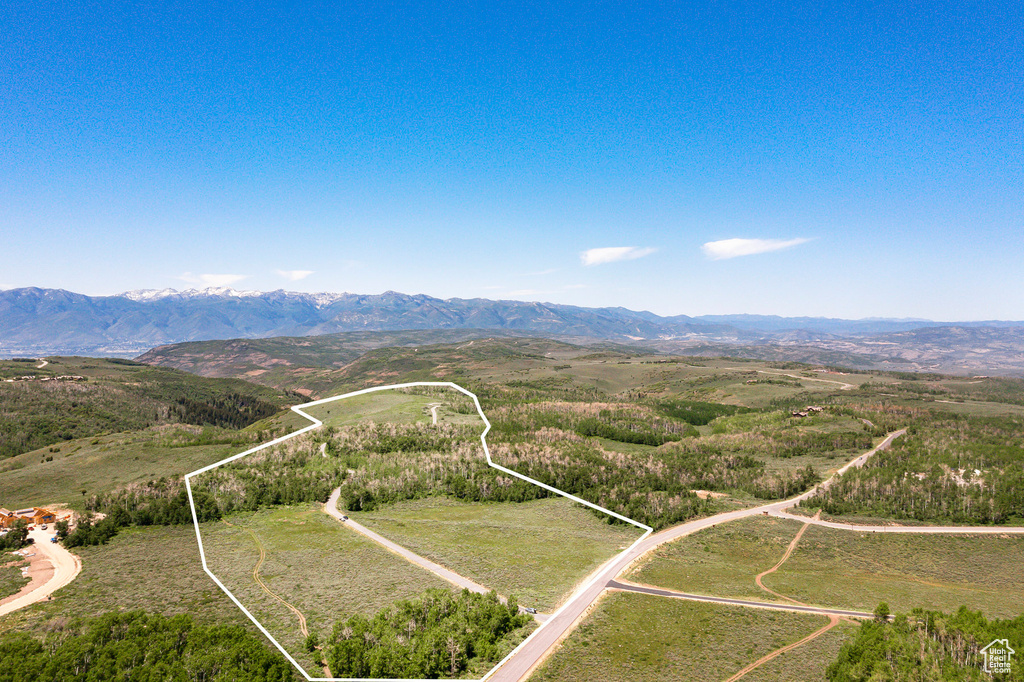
(530, 609)
(43, 526)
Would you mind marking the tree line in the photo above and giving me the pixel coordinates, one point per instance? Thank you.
(946, 469)
(438, 634)
(926, 645)
(141, 647)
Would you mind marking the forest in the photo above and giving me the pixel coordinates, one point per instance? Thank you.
(158, 503)
(948, 468)
(438, 634)
(556, 442)
(930, 646)
(140, 647)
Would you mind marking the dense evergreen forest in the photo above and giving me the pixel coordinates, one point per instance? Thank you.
(435, 635)
(946, 469)
(140, 647)
(926, 646)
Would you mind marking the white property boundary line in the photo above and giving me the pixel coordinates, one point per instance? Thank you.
(298, 409)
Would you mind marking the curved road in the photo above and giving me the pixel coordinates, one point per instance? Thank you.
(66, 567)
(535, 649)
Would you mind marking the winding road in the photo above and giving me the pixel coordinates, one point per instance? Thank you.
(66, 567)
(535, 649)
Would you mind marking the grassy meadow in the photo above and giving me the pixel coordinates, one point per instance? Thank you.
(399, 406)
(11, 579)
(844, 569)
(69, 472)
(311, 561)
(536, 550)
(633, 637)
(156, 569)
(720, 561)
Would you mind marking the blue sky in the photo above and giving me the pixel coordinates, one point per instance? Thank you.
(867, 159)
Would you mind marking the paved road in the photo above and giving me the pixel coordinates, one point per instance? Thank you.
(541, 643)
(66, 567)
(658, 592)
(331, 507)
(944, 530)
(534, 650)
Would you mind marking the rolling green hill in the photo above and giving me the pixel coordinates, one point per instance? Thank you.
(71, 398)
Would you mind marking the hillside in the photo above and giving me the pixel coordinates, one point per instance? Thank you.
(68, 398)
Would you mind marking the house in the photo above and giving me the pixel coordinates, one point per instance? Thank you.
(6, 518)
(36, 515)
(997, 656)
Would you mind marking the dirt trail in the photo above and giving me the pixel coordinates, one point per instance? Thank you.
(789, 550)
(832, 622)
(259, 581)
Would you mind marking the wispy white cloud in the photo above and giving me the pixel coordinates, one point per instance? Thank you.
(294, 275)
(733, 248)
(611, 254)
(211, 280)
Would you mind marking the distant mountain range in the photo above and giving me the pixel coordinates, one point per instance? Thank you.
(40, 322)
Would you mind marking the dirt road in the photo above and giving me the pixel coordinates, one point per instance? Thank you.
(63, 568)
(843, 386)
(933, 530)
(626, 586)
(539, 645)
(331, 507)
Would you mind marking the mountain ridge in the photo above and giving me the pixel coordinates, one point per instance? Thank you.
(37, 321)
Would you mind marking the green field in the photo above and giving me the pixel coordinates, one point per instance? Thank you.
(843, 569)
(942, 572)
(720, 561)
(156, 569)
(100, 464)
(315, 564)
(639, 638)
(399, 406)
(535, 550)
(11, 579)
